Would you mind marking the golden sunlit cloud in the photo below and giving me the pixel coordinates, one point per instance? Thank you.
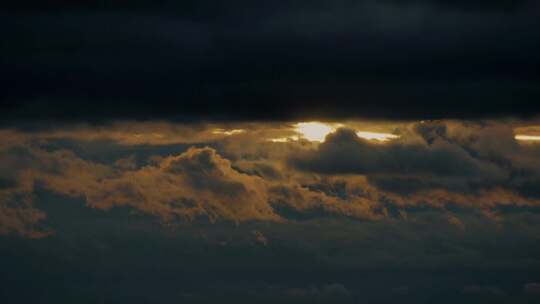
(285, 139)
(228, 132)
(528, 133)
(376, 136)
(527, 137)
(314, 131)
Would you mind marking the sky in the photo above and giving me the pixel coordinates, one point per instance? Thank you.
(372, 151)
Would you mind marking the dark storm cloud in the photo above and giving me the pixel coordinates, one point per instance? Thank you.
(344, 152)
(279, 60)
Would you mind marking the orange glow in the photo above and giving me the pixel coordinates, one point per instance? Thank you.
(284, 139)
(376, 136)
(228, 132)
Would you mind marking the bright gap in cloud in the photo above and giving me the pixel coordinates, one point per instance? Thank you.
(314, 131)
(527, 137)
(317, 131)
(376, 136)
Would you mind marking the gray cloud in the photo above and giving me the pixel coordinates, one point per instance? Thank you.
(344, 153)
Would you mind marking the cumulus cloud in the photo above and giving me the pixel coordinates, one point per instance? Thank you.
(195, 183)
(441, 165)
(198, 183)
(438, 164)
(296, 201)
(344, 152)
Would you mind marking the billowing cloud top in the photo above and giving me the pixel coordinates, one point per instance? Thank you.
(197, 173)
(312, 212)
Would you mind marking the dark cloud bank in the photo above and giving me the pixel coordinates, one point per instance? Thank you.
(194, 60)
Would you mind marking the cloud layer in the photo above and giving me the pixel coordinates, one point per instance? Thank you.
(192, 172)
